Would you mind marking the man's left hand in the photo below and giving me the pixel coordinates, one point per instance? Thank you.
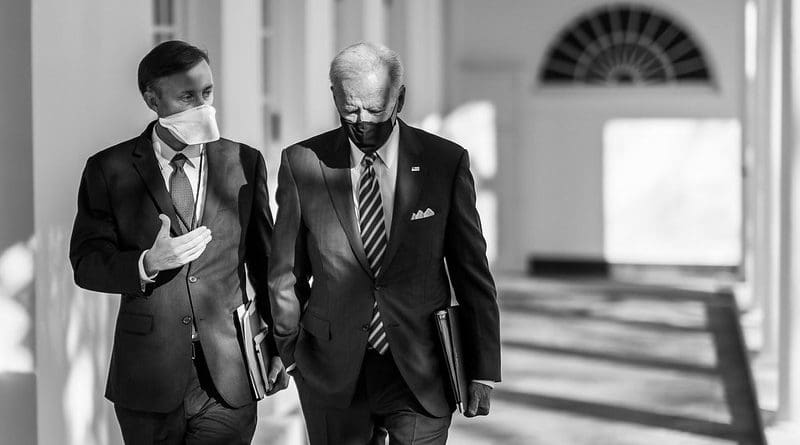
(278, 378)
(479, 399)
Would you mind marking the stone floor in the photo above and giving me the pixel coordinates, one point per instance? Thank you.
(603, 364)
(598, 363)
(591, 363)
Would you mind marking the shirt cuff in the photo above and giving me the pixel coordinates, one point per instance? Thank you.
(144, 279)
(291, 367)
(488, 383)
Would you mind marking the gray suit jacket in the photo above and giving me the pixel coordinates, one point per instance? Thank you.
(322, 327)
(121, 194)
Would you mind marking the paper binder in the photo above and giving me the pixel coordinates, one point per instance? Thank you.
(252, 333)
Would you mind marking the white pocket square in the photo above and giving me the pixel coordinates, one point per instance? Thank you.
(419, 214)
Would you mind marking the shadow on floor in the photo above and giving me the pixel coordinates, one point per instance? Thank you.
(622, 414)
(628, 364)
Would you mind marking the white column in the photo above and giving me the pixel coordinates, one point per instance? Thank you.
(84, 59)
(318, 51)
(763, 188)
(374, 21)
(422, 52)
(16, 160)
(291, 72)
(415, 29)
(307, 38)
(789, 350)
(776, 71)
(238, 71)
(17, 377)
(360, 20)
(786, 430)
(755, 212)
(348, 23)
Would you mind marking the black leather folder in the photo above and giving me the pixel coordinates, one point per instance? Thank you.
(447, 325)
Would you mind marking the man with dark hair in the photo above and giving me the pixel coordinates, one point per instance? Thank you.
(172, 57)
(174, 220)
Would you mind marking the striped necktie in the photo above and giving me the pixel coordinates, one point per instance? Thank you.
(373, 235)
(181, 191)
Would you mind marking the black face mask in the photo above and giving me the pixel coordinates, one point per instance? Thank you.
(369, 136)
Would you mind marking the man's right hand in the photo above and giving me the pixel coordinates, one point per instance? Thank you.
(171, 253)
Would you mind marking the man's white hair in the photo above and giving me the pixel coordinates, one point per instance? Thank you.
(366, 57)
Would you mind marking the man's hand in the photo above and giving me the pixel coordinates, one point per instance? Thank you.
(479, 400)
(278, 378)
(171, 253)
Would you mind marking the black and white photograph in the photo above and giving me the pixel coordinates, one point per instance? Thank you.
(399, 222)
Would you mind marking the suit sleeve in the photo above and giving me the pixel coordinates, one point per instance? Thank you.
(97, 260)
(465, 253)
(259, 235)
(289, 270)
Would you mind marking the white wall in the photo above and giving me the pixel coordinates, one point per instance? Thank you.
(16, 186)
(17, 380)
(85, 55)
(556, 166)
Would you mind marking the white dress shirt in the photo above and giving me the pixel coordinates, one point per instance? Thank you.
(195, 155)
(385, 167)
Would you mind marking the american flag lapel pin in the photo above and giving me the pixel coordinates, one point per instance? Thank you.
(415, 168)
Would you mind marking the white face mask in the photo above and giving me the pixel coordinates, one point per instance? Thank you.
(193, 126)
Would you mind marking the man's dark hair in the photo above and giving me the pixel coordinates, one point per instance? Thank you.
(166, 59)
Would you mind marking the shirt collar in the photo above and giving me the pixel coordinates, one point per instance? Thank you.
(387, 153)
(166, 153)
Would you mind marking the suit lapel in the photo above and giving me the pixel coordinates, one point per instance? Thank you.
(335, 166)
(407, 188)
(144, 160)
(218, 166)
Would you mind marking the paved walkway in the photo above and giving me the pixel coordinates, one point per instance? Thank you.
(607, 364)
(597, 363)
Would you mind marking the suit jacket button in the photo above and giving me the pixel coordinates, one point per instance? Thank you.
(365, 327)
(186, 320)
(193, 279)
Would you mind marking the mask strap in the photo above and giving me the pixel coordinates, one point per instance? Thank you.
(199, 184)
(394, 111)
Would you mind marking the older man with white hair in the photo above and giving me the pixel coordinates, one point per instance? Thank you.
(368, 214)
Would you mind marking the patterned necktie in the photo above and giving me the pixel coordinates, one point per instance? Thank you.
(373, 234)
(181, 191)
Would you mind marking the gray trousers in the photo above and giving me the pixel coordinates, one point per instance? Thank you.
(383, 405)
(202, 418)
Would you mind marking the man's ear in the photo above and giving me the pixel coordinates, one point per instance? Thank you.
(401, 98)
(150, 99)
(335, 103)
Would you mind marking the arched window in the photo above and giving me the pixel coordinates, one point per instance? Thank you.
(625, 44)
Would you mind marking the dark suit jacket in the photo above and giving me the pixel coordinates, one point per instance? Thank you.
(322, 327)
(121, 195)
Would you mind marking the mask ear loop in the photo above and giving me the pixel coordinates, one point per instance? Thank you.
(195, 220)
(394, 111)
